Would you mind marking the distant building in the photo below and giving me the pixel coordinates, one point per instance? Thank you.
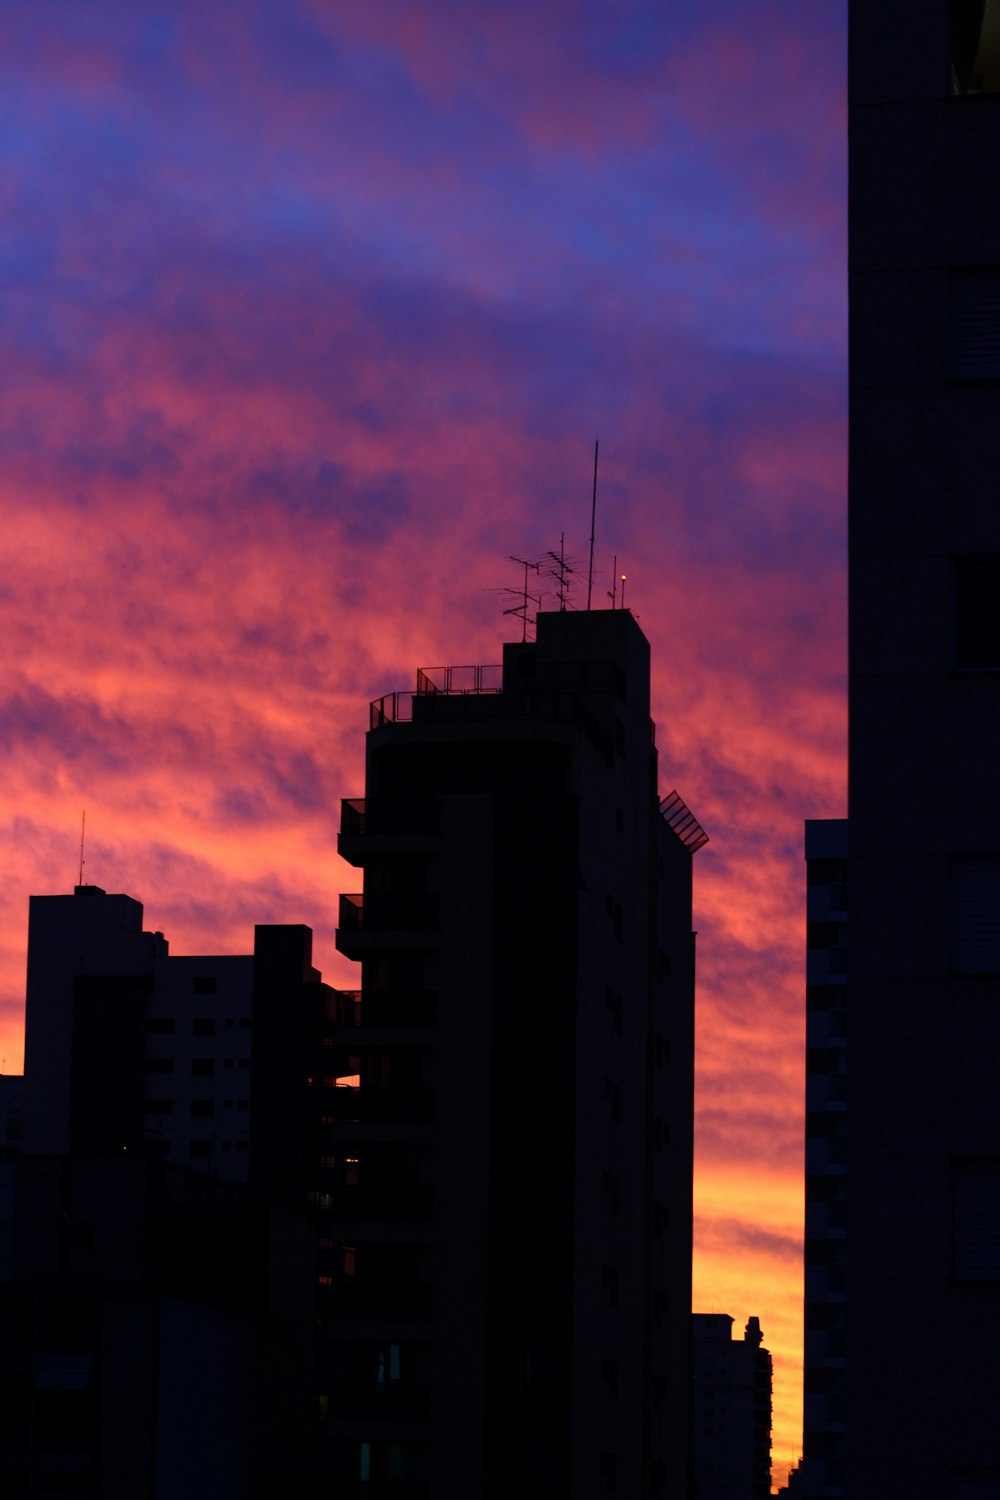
(161, 1271)
(730, 1410)
(822, 1471)
(127, 1044)
(513, 1116)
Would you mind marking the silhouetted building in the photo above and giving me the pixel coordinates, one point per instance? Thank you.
(822, 1472)
(156, 1336)
(923, 1126)
(508, 1130)
(730, 1409)
(160, 1304)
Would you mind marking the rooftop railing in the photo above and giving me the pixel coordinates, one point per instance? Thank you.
(397, 708)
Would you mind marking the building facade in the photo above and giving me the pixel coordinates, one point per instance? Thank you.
(922, 1266)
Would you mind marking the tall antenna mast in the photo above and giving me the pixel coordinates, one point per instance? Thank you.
(83, 830)
(593, 517)
(613, 590)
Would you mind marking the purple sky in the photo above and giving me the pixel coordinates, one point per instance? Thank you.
(311, 313)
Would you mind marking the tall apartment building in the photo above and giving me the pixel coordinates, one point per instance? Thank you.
(922, 1269)
(508, 1131)
(731, 1382)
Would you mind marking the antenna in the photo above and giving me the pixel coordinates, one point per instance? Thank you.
(613, 590)
(624, 576)
(593, 516)
(520, 611)
(83, 830)
(556, 565)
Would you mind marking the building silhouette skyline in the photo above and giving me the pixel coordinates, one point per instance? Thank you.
(487, 1150)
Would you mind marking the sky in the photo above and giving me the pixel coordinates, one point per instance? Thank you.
(310, 313)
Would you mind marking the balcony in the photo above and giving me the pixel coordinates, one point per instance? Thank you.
(388, 825)
(380, 1202)
(380, 1301)
(374, 1105)
(387, 920)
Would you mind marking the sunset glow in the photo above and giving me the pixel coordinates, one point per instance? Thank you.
(311, 314)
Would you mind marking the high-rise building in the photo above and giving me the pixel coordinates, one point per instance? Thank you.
(731, 1383)
(922, 1267)
(508, 1132)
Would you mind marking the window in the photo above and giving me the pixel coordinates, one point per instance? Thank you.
(975, 46)
(977, 610)
(975, 916)
(159, 1106)
(159, 1024)
(159, 1065)
(974, 323)
(203, 1067)
(200, 1149)
(200, 1108)
(976, 1219)
(205, 984)
(203, 1026)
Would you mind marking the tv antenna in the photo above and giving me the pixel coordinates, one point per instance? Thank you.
(520, 611)
(593, 517)
(83, 830)
(564, 572)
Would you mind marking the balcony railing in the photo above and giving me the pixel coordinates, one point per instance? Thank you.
(352, 814)
(396, 816)
(397, 708)
(385, 911)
